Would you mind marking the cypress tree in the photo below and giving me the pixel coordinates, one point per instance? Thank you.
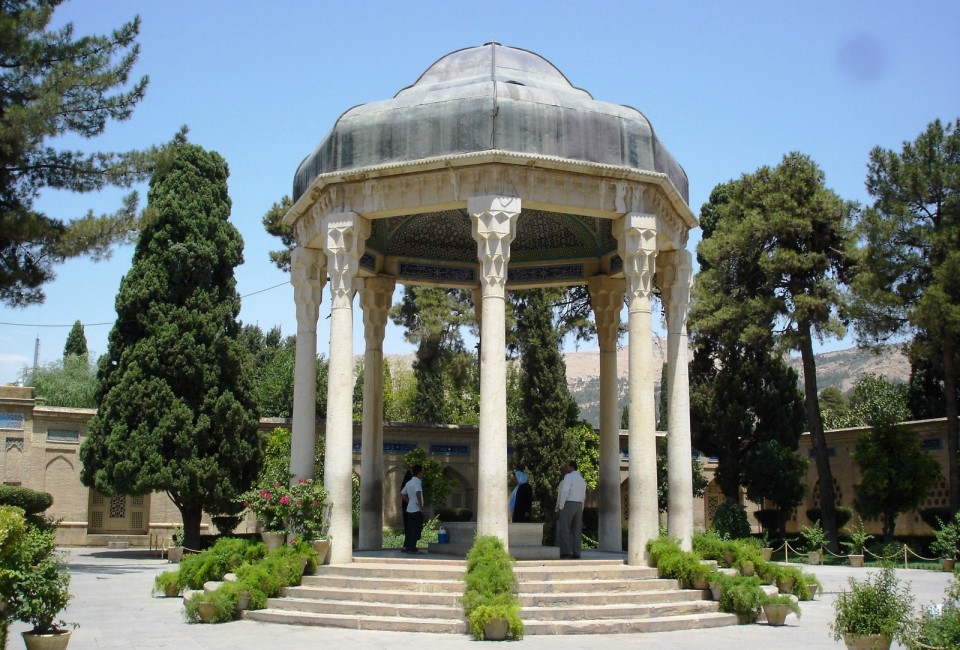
(76, 341)
(176, 408)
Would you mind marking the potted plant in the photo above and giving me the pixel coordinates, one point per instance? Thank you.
(939, 628)
(743, 596)
(946, 538)
(857, 544)
(776, 608)
(175, 552)
(814, 536)
(873, 612)
(167, 583)
(309, 517)
(271, 505)
(489, 600)
(812, 585)
(41, 591)
(717, 582)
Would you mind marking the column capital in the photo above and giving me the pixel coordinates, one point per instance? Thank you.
(636, 235)
(494, 221)
(606, 299)
(376, 297)
(308, 275)
(344, 236)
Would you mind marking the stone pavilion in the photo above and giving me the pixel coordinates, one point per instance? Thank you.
(493, 172)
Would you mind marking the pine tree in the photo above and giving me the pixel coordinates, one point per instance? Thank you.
(76, 341)
(53, 84)
(175, 399)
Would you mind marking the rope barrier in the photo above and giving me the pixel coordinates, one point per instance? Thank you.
(907, 552)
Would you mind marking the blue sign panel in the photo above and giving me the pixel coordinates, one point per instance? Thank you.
(11, 420)
(449, 450)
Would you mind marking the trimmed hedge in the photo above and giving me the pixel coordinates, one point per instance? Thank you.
(30, 501)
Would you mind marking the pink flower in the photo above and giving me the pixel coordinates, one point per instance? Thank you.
(299, 502)
(284, 500)
(276, 485)
(303, 480)
(316, 503)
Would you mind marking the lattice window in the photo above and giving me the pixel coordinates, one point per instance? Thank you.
(136, 520)
(97, 499)
(937, 497)
(837, 493)
(118, 506)
(713, 502)
(136, 502)
(96, 519)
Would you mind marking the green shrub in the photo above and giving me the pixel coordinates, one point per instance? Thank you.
(167, 583)
(730, 521)
(225, 556)
(30, 501)
(940, 629)
(223, 601)
(710, 546)
(781, 599)
(684, 566)
(490, 587)
(877, 605)
(660, 547)
(842, 514)
(946, 538)
(814, 537)
(742, 596)
(36, 583)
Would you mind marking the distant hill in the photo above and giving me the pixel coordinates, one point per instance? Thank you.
(841, 369)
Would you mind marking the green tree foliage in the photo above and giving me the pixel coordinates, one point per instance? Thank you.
(273, 369)
(444, 371)
(835, 408)
(56, 84)
(925, 394)
(740, 398)
(776, 254)
(545, 439)
(910, 277)
(71, 381)
(663, 484)
(176, 409)
(76, 341)
(399, 392)
(273, 224)
(895, 472)
(776, 473)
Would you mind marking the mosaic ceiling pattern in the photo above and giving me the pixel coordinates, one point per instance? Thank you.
(446, 237)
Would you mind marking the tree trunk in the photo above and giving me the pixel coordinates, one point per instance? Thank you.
(953, 426)
(818, 439)
(191, 516)
(889, 524)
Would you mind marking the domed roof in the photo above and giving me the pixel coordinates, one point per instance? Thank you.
(490, 98)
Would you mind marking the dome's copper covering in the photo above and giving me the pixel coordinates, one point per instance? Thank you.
(490, 98)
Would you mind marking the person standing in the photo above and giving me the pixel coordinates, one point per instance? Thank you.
(403, 498)
(570, 497)
(413, 527)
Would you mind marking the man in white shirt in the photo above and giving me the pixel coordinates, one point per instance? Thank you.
(570, 497)
(413, 490)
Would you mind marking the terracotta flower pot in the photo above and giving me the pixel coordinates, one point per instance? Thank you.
(716, 591)
(856, 560)
(206, 611)
(746, 568)
(814, 557)
(785, 585)
(322, 547)
(767, 553)
(946, 564)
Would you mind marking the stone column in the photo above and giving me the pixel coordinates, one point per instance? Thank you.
(494, 221)
(637, 244)
(606, 298)
(308, 274)
(344, 235)
(375, 298)
(679, 451)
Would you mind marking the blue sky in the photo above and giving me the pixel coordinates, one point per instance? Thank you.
(728, 86)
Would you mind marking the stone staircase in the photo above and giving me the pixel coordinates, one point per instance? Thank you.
(557, 597)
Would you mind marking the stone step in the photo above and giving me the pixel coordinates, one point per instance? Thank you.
(451, 599)
(597, 598)
(410, 585)
(617, 611)
(383, 623)
(568, 586)
(345, 607)
(630, 625)
(395, 570)
(584, 572)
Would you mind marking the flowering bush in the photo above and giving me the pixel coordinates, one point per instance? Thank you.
(301, 508)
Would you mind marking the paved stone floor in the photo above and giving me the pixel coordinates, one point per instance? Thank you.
(114, 609)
